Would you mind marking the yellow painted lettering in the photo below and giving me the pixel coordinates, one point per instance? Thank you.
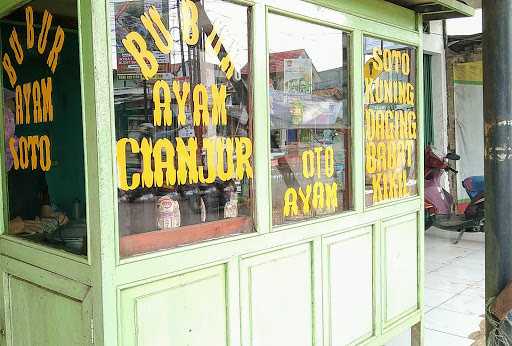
(308, 164)
(400, 153)
(381, 157)
(388, 126)
(395, 92)
(23, 147)
(138, 48)
(14, 153)
(14, 42)
(45, 161)
(305, 199)
(46, 91)
(9, 69)
(403, 96)
(387, 58)
(187, 161)
(214, 37)
(318, 151)
(209, 146)
(29, 18)
(376, 187)
(43, 34)
(404, 133)
(225, 166)
(19, 105)
(243, 157)
(331, 195)
(27, 91)
(410, 148)
(36, 99)
(165, 146)
(329, 161)
(385, 194)
(391, 155)
(393, 187)
(412, 124)
(406, 64)
(396, 59)
(219, 112)
(190, 22)
(370, 124)
(161, 87)
(146, 149)
(227, 66)
(121, 164)
(201, 105)
(388, 91)
(58, 43)
(368, 91)
(181, 99)
(405, 192)
(379, 91)
(318, 195)
(33, 142)
(380, 125)
(290, 203)
(149, 20)
(371, 158)
(400, 183)
(410, 94)
(377, 60)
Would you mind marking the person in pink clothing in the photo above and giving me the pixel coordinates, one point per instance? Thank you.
(10, 126)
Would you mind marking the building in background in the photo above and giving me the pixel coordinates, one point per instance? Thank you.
(453, 95)
(465, 99)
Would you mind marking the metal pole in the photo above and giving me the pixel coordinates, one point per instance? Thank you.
(183, 67)
(497, 62)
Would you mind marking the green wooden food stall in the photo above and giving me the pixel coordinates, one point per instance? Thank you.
(185, 172)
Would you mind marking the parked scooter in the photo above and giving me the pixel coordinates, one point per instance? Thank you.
(439, 204)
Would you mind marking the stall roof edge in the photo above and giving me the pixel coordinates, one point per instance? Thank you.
(438, 9)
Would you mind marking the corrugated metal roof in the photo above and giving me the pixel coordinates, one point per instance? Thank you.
(438, 9)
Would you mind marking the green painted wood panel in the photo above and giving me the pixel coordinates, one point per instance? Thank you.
(188, 309)
(42, 317)
(376, 10)
(400, 267)
(348, 277)
(276, 294)
(38, 316)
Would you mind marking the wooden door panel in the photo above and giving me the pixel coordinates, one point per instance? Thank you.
(188, 309)
(42, 308)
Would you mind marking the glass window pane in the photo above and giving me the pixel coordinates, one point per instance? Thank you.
(43, 125)
(390, 120)
(183, 122)
(310, 120)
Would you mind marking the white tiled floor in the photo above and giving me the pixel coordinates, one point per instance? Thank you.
(454, 287)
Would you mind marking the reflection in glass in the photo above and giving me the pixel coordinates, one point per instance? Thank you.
(310, 120)
(44, 153)
(183, 122)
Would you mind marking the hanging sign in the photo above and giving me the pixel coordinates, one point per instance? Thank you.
(126, 16)
(298, 76)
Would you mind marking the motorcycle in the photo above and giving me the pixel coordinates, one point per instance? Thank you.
(439, 203)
